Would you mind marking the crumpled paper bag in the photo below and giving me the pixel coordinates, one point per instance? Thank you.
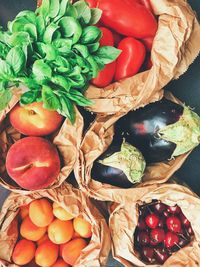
(175, 47)
(76, 203)
(67, 140)
(124, 217)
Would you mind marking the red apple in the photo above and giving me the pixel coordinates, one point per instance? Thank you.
(33, 163)
(35, 120)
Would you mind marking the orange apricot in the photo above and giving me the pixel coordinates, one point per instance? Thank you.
(61, 213)
(42, 239)
(46, 254)
(30, 231)
(72, 250)
(75, 235)
(60, 263)
(41, 212)
(23, 252)
(82, 227)
(24, 211)
(60, 231)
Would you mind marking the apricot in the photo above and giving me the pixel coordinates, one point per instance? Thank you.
(60, 231)
(46, 254)
(24, 211)
(82, 227)
(60, 263)
(43, 239)
(33, 163)
(72, 250)
(30, 231)
(75, 235)
(34, 120)
(23, 252)
(41, 212)
(61, 213)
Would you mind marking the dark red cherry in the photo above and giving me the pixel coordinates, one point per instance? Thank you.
(174, 209)
(157, 235)
(161, 223)
(173, 224)
(152, 220)
(159, 207)
(141, 224)
(161, 255)
(147, 254)
(143, 238)
(171, 239)
(166, 214)
(184, 220)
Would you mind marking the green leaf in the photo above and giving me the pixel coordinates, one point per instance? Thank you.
(16, 59)
(90, 35)
(82, 50)
(44, 9)
(79, 98)
(18, 24)
(63, 43)
(54, 8)
(4, 37)
(95, 15)
(108, 54)
(50, 51)
(93, 47)
(3, 50)
(49, 32)
(31, 29)
(71, 11)
(5, 97)
(19, 38)
(41, 70)
(70, 27)
(62, 11)
(6, 71)
(61, 81)
(3, 85)
(94, 66)
(62, 65)
(40, 24)
(67, 109)
(28, 14)
(29, 97)
(50, 100)
(29, 82)
(83, 11)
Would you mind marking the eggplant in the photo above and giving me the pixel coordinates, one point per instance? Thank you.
(161, 130)
(120, 165)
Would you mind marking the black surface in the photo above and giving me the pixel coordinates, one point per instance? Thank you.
(187, 88)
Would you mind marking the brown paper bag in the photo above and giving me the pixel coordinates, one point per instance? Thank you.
(67, 140)
(175, 47)
(76, 203)
(124, 218)
(96, 141)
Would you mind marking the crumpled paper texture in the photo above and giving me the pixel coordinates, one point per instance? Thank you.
(96, 141)
(67, 140)
(76, 203)
(175, 47)
(124, 217)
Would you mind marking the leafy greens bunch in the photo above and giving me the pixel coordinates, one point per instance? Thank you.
(54, 52)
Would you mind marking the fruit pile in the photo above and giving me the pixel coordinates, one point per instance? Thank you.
(161, 230)
(49, 235)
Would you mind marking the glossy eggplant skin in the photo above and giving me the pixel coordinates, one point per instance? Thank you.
(140, 129)
(110, 175)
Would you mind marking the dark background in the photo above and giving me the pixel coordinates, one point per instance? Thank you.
(186, 88)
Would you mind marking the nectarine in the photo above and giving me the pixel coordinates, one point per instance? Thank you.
(43, 239)
(41, 212)
(23, 252)
(23, 211)
(34, 120)
(30, 231)
(61, 213)
(33, 163)
(60, 263)
(82, 227)
(72, 250)
(60, 231)
(46, 254)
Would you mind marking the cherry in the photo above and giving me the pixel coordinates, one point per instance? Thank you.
(166, 214)
(147, 254)
(184, 220)
(141, 224)
(171, 239)
(159, 207)
(143, 238)
(174, 209)
(152, 220)
(153, 243)
(157, 235)
(161, 223)
(161, 255)
(173, 224)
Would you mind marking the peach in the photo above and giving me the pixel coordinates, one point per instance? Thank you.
(60, 231)
(23, 252)
(24, 211)
(43, 239)
(61, 213)
(60, 263)
(46, 254)
(30, 231)
(33, 163)
(34, 120)
(72, 250)
(41, 212)
(82, 227)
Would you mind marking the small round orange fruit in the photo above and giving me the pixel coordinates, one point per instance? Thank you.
(46, 254)
(60, 263)
(61, 213)
(60, 231)
(43, 239)
(24, 211)
(82, 227)
(23, 252)
(30, 231)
